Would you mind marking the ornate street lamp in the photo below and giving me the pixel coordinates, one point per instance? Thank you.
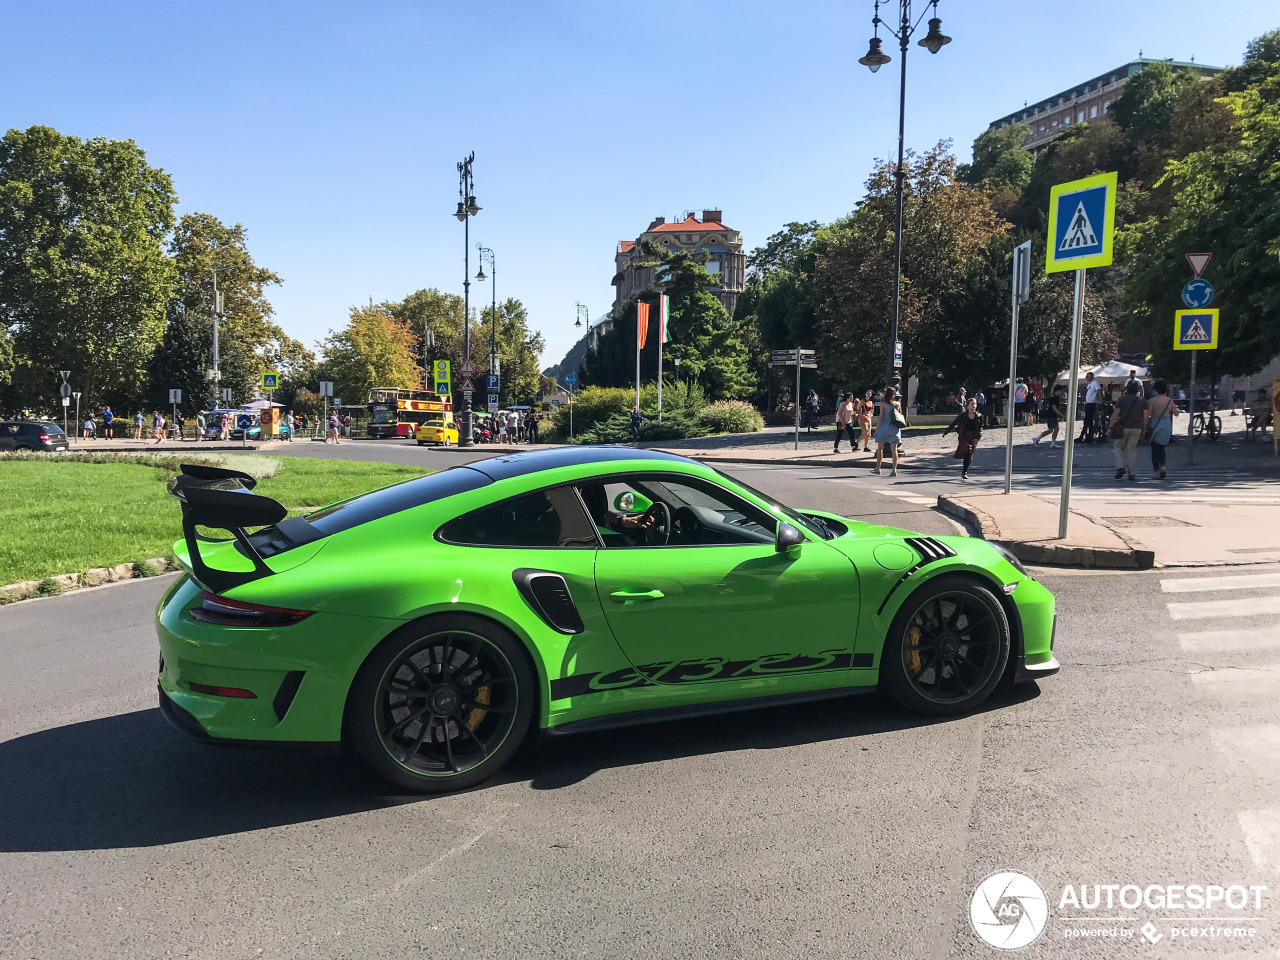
(467, 209)
(486, 254)
(875, 58)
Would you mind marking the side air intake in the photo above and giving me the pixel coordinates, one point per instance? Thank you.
(929, 549)
(548, 595)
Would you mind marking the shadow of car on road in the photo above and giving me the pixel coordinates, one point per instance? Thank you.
(129, 781)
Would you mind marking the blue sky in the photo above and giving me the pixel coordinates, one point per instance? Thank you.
(332, 130)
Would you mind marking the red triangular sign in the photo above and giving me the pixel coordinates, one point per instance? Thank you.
(1199, 261)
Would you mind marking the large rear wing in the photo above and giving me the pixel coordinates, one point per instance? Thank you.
(216, 497)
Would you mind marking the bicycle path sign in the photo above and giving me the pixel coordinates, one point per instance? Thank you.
(1082, 215)
(1195, 330)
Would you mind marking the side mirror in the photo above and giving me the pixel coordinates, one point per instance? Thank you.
(631, 502)
(789, 540)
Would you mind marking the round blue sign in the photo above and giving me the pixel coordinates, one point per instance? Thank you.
(1197, 294)
(570, 379)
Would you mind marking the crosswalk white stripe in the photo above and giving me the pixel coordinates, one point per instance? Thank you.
(1244, 607)
(1258, 746)
(1234, 682)
(1229, 641)
(1243, 581)
(1262, 837)
(922, 501)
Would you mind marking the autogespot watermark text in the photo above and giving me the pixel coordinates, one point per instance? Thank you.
(1009, 910)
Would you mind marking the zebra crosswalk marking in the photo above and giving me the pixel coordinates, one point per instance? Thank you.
(1230, 641)
(1235, 682)
(1244, 581)
(1262, 837)
(1257, 746)
(1243, 607)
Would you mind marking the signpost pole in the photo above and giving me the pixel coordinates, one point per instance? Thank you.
(1191, 411)
(571, 411)
(77, 396)
(1021, 290)
(797, 398)
(1068, 445)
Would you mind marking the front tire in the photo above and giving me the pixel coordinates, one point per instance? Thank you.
(442, 704)
(947, 648)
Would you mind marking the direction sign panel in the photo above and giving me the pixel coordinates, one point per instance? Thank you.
(175, 396)
(1082, 217)
(1198, 262)
(326, 388)
(1195, 330)
(897, 353)
(226, 394)
(1197, 294)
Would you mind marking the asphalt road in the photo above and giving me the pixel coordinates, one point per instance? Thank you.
(840, 829)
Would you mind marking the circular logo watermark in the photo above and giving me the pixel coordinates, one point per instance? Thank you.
(1008, 910)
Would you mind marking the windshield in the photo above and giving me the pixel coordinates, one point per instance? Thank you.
(382, 415)
(812, 524)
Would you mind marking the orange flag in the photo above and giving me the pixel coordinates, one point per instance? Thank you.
(642, 323)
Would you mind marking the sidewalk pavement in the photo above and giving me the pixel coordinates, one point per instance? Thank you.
(129, 445)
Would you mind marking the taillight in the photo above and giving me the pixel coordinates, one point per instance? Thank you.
(44, 438)
(237, 613)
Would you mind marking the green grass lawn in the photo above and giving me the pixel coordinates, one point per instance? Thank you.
(65, 517)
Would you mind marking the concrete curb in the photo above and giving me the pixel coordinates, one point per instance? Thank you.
(1128, 558)
(94, 577)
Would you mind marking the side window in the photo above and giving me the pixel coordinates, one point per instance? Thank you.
(547, 518)
(701, 513)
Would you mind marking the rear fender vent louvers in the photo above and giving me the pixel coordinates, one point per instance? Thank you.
(548, 595)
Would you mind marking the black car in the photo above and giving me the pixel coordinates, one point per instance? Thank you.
(31, 435)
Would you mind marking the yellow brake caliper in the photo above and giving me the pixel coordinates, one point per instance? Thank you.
(911, 652)
(476, 717)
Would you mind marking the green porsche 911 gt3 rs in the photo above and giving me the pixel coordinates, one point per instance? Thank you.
(432, 624)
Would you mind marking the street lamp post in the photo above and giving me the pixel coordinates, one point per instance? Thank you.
(218, 313)
(466, 210)
(484, 253)
(934, 41)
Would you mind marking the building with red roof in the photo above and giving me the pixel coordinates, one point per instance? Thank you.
(721, 245)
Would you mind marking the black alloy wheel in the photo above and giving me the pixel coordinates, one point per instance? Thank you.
(442, 704)
(948, 647)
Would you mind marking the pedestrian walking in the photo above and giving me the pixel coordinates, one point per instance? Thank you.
(1128, 421)
(865, 408)
(889, 432)
(968, 427)
(846, 416)
(1053, 412)
(513, 426)
(224, 427)
(202, 424)
(532, 431)
(1092, 390)
(180, 424)
(108, 419)
(137, 425)
(1240, 394)
(1037, 401)
(1161, 411)
(637, 421)
(88, 428)
(334, 426)
(157, 426)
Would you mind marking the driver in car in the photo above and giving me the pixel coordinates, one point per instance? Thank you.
(597, 502)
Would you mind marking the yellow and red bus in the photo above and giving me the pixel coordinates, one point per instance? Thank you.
(397, 413)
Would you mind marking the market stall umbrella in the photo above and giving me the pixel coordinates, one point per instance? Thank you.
(260, 404)
(1062, 377)
(1117, 372)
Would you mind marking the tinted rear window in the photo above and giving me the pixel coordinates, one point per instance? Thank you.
(402, 496)
(50, 428)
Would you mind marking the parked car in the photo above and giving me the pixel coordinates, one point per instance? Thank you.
(32, 435)
(437, 431)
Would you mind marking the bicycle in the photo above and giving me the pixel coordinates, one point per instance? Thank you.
(1209, 423)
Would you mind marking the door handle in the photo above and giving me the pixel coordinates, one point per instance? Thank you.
(635, 596)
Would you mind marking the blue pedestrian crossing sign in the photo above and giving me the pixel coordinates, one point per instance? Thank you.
(1195, 330)
(1082, 217)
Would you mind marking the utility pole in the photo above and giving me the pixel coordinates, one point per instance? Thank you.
(467, 209)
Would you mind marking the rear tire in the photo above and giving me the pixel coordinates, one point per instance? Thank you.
(947, 648)
(442, 704)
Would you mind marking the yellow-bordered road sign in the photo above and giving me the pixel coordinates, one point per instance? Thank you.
(271, 381)
(1082, 217)
(1195, 330)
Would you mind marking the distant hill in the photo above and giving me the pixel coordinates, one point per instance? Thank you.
(573, 359)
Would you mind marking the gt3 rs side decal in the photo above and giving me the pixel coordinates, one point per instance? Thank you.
(699, 670)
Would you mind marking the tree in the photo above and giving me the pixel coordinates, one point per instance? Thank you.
(518, 348)
(998, 159)
(375, 350)
(83, 275)
(246, 336)
(441, 313)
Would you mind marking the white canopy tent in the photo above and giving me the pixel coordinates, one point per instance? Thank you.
(1113, 372)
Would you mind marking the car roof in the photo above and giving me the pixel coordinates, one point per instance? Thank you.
(521, 464)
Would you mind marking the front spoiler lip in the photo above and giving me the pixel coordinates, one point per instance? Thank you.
(1036, 671)
(181, 720)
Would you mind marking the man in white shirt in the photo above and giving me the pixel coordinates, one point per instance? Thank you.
(1092, 389)
(1239, 393)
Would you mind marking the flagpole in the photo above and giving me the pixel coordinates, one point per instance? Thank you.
(662, 335)
(638, 355)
